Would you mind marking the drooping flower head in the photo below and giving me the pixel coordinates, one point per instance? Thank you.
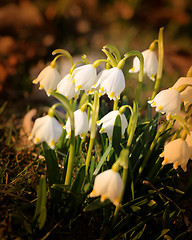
(111, 82)
(186, 95)
(150, 64)
(167, 101)
(46, 129)
(108, 185)
(81, 124)
(84, 77)
(108, 122)
(48, 78)
(67, 88)
(176, 152)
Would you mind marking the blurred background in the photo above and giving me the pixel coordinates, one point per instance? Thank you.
(31, 29)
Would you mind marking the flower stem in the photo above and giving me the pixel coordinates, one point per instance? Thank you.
(160, 65)
(63, 53)
(115, 104)
(68, 108)
(95, 113)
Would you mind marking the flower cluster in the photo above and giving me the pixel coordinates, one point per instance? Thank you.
(85, 80)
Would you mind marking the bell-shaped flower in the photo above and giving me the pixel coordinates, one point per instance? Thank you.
(186, 95)
(46, 129)
(176, 152)
(108, 185)
(150, 64)
(48, 79)
(111, 82)
(189, 142)
(67, 88)
(84, 77)
(108, 122)
(167, 101)
(81, 124)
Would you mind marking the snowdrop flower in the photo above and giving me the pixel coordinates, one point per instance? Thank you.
(111, 82)
(108, 122)
(67, 88)
(186, 95)
(81, 124)
(84, 77)
(48, 78)
(150, 64)
(189, 142)
(109, 185)
(176, 152)
(46, 129)
(167, 101)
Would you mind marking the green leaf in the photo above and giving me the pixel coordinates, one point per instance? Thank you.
(138, 236)
(108, 150)
(96, 204)
(2, 108)
(166, 219)
(61, 187)
(40, 211)
(116, 138)
(181, 236)
(91, 168)
(163, 232)
(79, 180)
(52, 168)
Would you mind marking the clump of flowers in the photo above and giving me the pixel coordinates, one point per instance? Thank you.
(86, 163)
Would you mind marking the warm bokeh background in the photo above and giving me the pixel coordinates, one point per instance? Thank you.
(31, 29)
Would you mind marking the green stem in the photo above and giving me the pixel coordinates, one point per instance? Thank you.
(115, 104)
(160, 65)
(181, 122)
(114, 51)
(64, 53)
(68, 108)
(89, 154)
(99, 61)
(112, 60)
(132, 124)
(123, 161)
(93, 129)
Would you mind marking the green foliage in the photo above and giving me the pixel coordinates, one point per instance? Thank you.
(41, 211)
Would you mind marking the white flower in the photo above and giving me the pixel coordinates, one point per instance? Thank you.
(84, 77)
(176, 152)
(48, 78)
(150, 64)
(67, 88)
(111, 82)
(108, 122)
(81, 124)
(167, 101)
(46, 129)
(186, 95)
(189, 142)
(109, 185)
